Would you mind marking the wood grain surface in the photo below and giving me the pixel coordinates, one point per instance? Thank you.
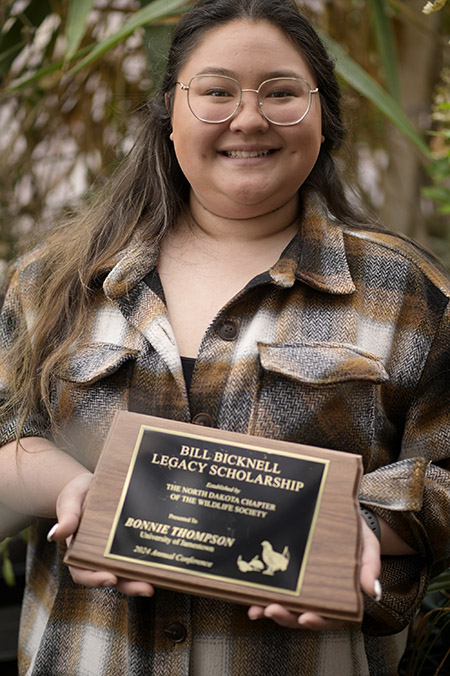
(330, 583)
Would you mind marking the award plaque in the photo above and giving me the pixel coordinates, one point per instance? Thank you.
(226, 515)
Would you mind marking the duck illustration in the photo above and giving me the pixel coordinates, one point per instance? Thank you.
(243, 566)
(256, 564)
(274, 561)
(249, 566)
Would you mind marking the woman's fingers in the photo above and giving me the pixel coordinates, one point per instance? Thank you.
(281, 616)
(277, 613)
(104, 578)
(68, 510)
(255, 612)
(135, 588)
(370, 562)
(285, 618)
(318, 623)
(68, 507)
(92, 578)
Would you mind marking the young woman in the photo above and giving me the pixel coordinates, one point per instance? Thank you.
(223, 278)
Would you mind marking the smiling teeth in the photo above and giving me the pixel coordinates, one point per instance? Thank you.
(247, 153)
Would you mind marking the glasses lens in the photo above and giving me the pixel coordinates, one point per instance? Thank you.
(213, 98)
(285, 100)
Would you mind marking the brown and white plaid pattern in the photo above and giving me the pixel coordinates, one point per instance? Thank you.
(344, 343)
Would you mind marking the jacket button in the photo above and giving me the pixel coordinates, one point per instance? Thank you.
(175, 631)
(228, 330)
(203, 419)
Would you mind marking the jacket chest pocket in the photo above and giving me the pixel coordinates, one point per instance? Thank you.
(90, 387)
(323, 394)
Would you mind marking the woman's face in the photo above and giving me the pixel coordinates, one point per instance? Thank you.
(210, 155)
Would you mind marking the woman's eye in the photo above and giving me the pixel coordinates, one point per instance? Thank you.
(280, 94)
(217, 92)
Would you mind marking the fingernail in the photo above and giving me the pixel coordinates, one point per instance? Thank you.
(378, 590)
(109, 583)
(51, 532)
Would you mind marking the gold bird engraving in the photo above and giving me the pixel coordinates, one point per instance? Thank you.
(274, 561)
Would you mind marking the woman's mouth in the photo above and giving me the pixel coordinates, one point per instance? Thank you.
(247, 153)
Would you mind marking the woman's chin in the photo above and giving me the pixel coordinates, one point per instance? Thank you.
(242, 206)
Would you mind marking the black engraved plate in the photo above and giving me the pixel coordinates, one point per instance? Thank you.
(221, 510)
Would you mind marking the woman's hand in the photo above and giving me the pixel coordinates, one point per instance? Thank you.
(369, 572)
(68, 510)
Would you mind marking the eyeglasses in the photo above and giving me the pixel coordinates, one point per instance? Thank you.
(217, 98)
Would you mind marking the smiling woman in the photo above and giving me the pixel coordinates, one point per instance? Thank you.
(223, 278)
(225, 180)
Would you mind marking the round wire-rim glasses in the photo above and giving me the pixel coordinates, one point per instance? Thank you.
(187, 89)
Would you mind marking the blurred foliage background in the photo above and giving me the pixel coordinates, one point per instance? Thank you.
(74, 74)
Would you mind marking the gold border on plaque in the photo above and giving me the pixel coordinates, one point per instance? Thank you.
(236, 444)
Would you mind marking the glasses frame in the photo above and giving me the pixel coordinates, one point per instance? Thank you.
(186, 88)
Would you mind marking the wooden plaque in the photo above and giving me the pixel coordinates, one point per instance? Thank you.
(226, 515)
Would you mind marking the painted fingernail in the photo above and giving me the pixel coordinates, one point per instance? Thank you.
(378, 590)
(51, 532)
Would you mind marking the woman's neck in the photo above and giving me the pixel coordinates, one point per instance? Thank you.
(207, 259)
(212, 227)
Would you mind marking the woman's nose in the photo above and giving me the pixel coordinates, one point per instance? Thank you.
(249, 118)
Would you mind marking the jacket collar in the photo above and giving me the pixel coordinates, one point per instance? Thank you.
(130, 267)
(316, 256)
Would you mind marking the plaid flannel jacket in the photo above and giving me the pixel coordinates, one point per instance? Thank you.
(344, 343)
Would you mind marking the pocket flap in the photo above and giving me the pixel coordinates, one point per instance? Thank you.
(94, 362)
(322, 363)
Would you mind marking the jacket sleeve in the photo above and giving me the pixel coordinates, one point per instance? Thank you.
(17, 311)
(413, 494)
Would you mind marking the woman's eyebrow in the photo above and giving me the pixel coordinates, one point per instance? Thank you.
(283, 73)
(212, 70)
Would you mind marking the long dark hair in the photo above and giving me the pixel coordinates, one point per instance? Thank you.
(148, 194)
